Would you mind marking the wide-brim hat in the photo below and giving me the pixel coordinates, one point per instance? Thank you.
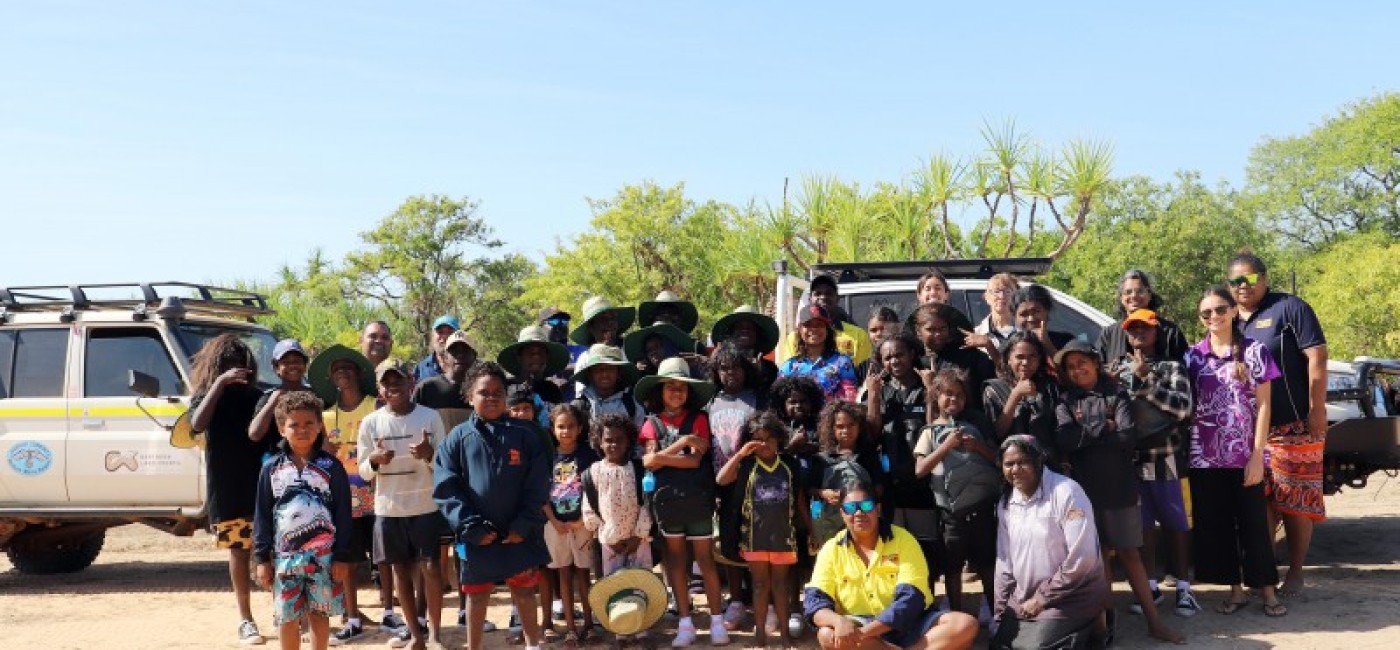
(676, 369)
(767, 327)
(605, 355)
(595, 307)
(320, 372)
(634, 345)
(628, 601)
(509, 358)
(646, 312)
(1075, 346)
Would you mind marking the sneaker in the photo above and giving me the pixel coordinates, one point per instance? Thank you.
(733, 614)
(1186, 604)
(401, 638)
(248, 633)
(795, 625)
(685, 634)
(392, 623)
(347, 634)
(771, 624)
(1157, 599)
(718, 635)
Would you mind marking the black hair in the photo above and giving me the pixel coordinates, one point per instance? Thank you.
(1249, 258)
(299, 400)
(856, 485)
(519, 393)
(933, 274)
(1016, 338)
(829, 346)
(1033, 293)
(569, 409)
(482, 369)
(764, 421)
(883, 313)
(617, 421)
(826, 426)
(1154, 302)
(1241, 372)
(1029, 446)
(789, 385)
(729, 354)
(909, 341)
(941, 381)
(954, 319)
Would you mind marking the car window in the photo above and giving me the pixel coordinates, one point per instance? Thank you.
(193, 336)
(114, 351)
(972, 303)
(32, 362)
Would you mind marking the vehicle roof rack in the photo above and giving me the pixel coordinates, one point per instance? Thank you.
(196, 298)
(968, 269)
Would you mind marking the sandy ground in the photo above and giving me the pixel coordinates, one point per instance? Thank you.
(150, 590)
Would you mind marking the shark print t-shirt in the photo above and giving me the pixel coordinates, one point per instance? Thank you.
(299, 507)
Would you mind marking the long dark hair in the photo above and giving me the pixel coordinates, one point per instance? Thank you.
(1029, 446)
(1154, 301)
(954, 319)
(1020, 336)
(219, 355)
(729, 354)
(1240, 372)
(826, 426)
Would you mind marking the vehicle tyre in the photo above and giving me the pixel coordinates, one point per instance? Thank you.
(67, 556)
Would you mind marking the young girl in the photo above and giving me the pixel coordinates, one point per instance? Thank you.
(1097, 436)
(882, 324)
(945, 345)
(224, 378)
(847, 455)
(738, 398)
(677, 444)
(1232, 377)
(1022, 400)
(303, 522)
(771, 492)
(955, 455)
(613, 499)
(570, 544)
(798, 403)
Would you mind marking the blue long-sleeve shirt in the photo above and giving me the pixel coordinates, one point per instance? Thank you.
(302, 509)
(494, 477)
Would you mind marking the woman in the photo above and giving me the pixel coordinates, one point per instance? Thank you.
(1232, 377)
(869, 588)
(1050, 584)
(1023, 399)
(1031, 306)
(1134, 293)
(817, 356)
(1288, 327)
(990, 335)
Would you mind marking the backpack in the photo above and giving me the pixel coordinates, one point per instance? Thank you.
(682, 495)
(967, 482)
(586, 407)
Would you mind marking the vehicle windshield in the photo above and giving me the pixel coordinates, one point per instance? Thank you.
(193, 336)
(971, 303)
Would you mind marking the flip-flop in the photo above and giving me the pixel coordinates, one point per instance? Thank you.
(1275, 610)
(1229, 607)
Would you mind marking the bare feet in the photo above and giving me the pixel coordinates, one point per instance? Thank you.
(1292, 585)
(1164, 633)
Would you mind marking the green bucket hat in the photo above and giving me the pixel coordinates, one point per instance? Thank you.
(320, 372)
(676, 369)
(635, 343)
(606, 355)
(509, 358)
(767, 327)
(594, 307)
(646, 312)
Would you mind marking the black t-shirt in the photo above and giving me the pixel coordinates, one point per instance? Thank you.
(274, 434)
(1035, 415)
(769, 499)
(1287, 326)
(904, 412)
(566, 481)
(1171, 343)
(439, 393)
(232, 460)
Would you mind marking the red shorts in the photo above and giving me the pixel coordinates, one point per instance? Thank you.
(527, 579)
(780, 558)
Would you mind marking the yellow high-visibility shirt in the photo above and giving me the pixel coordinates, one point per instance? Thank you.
(863, 590)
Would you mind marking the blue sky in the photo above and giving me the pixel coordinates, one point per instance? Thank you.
(218, 140)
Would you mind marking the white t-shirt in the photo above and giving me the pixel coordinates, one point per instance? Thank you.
(403, 487)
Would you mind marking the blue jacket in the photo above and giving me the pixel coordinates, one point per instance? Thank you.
(494, 477)
(427, 368)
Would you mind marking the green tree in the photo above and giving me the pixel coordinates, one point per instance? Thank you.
(1341, 177)
(1354, 286)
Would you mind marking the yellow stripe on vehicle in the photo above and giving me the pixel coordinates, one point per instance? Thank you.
(110, 411)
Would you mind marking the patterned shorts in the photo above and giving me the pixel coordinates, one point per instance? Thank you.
(303, 585)
(234, 533)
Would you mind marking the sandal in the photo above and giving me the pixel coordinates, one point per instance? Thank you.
(1275, 610)
(1229, 607)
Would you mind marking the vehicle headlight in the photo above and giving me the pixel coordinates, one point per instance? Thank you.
(1339, 381)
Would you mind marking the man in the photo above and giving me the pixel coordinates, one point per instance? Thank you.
(376, 341)
(431, 365)
(851, 339)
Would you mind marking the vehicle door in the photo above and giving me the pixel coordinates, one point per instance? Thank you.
(33, 415)
(116, 454)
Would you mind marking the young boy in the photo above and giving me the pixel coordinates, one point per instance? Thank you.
(607, 380)
(289, 362)
(491, 478)
(303, 522)
(343, 378)
(396, 451)
(1162, 405)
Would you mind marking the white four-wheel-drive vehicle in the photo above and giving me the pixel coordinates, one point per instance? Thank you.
(1364, 437)
(93, 381)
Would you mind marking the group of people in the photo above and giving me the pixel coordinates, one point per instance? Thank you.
(822, 482)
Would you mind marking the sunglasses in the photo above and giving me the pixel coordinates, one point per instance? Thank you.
(1218, 310)
(851, 507)
(1250, 279)
(557, 322)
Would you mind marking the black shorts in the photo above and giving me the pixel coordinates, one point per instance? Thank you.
(971, 537)
(405, 539)
(361, 538)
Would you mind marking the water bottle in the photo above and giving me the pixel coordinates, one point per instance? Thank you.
(885, 462)
(649, 483)
(817, 508)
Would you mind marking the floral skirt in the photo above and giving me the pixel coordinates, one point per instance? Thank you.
(1293, 471)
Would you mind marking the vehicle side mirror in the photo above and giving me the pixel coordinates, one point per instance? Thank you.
(142, 384)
